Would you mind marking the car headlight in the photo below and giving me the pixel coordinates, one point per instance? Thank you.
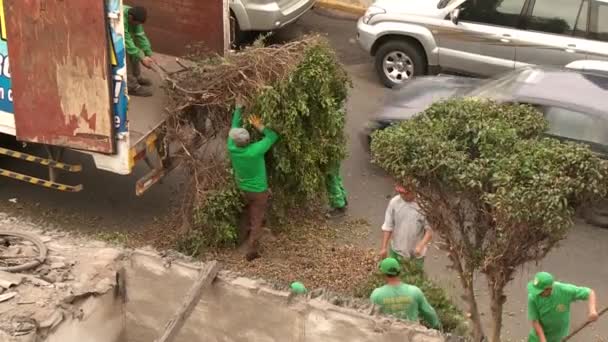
(371, 12)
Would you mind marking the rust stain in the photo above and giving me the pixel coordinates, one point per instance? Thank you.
(60, 68)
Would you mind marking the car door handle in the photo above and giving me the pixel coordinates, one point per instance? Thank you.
(505, 38)
(571, 48)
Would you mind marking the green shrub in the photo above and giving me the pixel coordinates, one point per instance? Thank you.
(307, 110)
(215, 222)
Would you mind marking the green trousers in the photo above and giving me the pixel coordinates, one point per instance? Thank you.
(335, 189)
(419, 262)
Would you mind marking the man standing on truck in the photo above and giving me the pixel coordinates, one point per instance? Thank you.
(139, 50)
(402, 300)
(250, 172)
(549, 307)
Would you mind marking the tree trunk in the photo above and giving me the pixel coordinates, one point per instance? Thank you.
(497, 300)
(478, 333)
(466, 279)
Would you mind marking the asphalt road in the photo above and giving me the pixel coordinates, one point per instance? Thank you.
(109, 203)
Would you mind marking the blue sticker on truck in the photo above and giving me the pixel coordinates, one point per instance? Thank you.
(6, 94)
(118, 60)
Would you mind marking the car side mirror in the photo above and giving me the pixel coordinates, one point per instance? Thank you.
(454, 16)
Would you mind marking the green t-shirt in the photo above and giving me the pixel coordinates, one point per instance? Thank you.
(553, 312)
(248, 162)
(137, 43)
(405, 302)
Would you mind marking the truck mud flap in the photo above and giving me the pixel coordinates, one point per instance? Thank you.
(159, 163)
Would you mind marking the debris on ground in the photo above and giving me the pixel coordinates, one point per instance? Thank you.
(311, 253)
(35, 300)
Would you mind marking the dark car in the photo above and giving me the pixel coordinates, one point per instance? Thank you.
(574, 103)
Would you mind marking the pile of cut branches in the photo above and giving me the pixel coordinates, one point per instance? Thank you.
(298, 88)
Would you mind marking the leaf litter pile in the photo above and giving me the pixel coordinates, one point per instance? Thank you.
(311, 253)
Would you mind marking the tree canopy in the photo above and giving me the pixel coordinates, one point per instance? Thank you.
(497, 189)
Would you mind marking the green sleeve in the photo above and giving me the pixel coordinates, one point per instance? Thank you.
(262, 146)
(427, 312)
(577, 292)
(236, 117)
(236, 123)
(374, 298)
(533, 314)
(142, 40)
(132, 50)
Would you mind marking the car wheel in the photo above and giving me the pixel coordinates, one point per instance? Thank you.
(597, 214)
(398, 61)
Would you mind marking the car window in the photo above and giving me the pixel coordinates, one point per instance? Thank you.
(599, 21)
(577, 126)
(557, 16)
(494, 12)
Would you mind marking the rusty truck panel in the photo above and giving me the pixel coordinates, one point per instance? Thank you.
(60, 71)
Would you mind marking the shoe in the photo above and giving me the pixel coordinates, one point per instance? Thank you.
(336, 212)
(144, 81)
(141, 91)
(252, 255)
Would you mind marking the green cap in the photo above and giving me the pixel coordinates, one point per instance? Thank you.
(390, 266)
(297, 287)
(541, 282)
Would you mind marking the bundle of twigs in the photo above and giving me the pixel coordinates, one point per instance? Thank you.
(215, 83)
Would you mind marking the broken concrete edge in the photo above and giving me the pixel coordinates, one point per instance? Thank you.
(316, 299)
(341, 6)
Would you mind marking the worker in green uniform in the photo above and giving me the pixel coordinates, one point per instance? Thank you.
(549, 307)
(402, 300)
(139, 50)
(250, 172)
(337, 194)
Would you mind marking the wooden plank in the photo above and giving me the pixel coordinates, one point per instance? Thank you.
(206, 276)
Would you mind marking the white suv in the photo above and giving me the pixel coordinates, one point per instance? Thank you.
(480, 37)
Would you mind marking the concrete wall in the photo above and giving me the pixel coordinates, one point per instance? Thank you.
(241, 310)
(173, 24)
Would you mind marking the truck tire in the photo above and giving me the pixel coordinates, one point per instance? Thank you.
(397, 61)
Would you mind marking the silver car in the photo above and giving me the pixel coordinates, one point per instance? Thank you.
(480, 37)
(264, 15)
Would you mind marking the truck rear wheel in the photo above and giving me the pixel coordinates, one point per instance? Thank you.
(398, 61)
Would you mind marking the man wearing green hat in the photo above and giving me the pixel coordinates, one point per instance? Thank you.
(549, 307)
(402, 300)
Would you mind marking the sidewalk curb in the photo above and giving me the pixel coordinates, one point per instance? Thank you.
(341, 6)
